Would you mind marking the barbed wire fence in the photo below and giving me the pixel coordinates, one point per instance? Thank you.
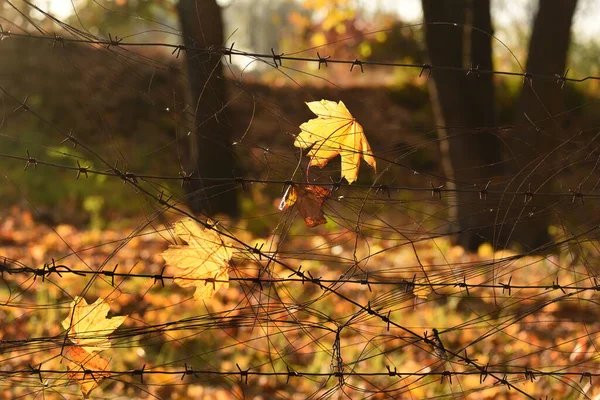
(337, 314)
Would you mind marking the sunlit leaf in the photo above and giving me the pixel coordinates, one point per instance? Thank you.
(333, 132)
(88, 326)
(203, 263)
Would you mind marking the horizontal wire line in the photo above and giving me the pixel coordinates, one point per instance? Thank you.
(277, 59)
(380, 189)
(528, 372)
(47, 271)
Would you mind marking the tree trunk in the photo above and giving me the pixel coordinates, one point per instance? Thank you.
(211, 156)
(462, 103)
(540, 103)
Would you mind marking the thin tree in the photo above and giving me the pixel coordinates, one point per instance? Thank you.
(462, 104)
(210, 152)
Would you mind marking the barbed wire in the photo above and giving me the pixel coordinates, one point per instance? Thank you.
(50, 269)
(382, 189)
(276, 59)
(529, 373)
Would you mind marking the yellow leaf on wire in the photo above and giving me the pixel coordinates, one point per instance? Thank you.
(333, 132)
(88, 326)
(203, 262)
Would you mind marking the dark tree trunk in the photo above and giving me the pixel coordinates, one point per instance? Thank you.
(210, 152)
(461, 103)
(540, 105)
(547, 55)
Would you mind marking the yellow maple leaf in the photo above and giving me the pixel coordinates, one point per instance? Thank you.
(88, 326)
(333, 132)
(203, 262)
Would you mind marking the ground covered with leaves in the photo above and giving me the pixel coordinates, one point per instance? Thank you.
(310, 325)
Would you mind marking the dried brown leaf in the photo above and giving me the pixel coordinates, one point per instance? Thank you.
(309, 201)
(85, 369)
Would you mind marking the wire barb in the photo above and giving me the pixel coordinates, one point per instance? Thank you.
(463, 285)
(242, 182)
(4, 34)
(276, 58)
(70, 138)
(188, 371)
(577, 194)
(355, 63)
(57, 39)
(185, 177)
(426, 67)
(528, 194)
(258, 250)
(557, 286)
(392, 373)
(111, 274)
(473, 71)
(178, 50)
(82, 170)
(243, 374)
(561, 79)
(322, 60)
(365, 281)
(291, 373)
(30, 161)
(160, 277)
(484, 373)
(586, 374)
(36, 371)
(506, 286)
(335, 184)
(529, 375)
(436, 190)
(113, 42)
(228, 52)
(162, 200)
(446, 375)
(139, 372)
(483, 193)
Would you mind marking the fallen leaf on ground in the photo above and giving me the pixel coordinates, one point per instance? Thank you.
(333, 132)
(309, 200)
(203, 262)
(88, 326)
(85, 369)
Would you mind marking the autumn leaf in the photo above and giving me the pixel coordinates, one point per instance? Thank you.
(88, 326)
(203, 262)
(333, 132)
(309, 201)
(85, 369)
